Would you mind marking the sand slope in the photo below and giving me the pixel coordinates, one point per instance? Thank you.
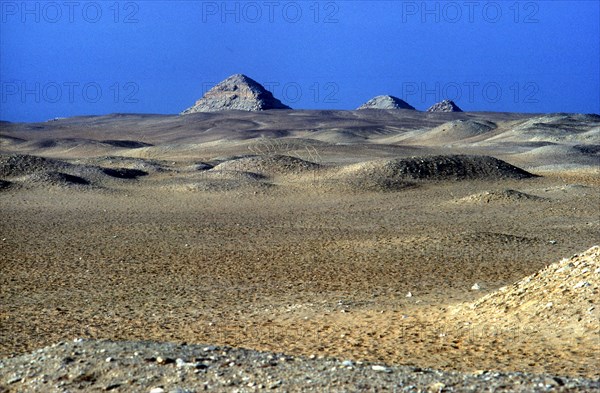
(564, 293)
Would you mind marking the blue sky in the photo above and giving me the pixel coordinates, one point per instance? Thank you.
(94, 57)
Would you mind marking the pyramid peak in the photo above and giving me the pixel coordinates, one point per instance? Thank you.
(240, 78)
(386, 102)
(444, 106)
(237, 92)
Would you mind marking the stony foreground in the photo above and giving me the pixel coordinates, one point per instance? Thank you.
(84, 365)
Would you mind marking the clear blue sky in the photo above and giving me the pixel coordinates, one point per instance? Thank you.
(94, 57)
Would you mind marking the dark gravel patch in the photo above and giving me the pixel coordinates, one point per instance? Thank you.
(126, 143)
(124, 173)
(165, 367)
(4, 185)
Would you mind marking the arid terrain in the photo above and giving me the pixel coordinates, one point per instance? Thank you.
(390, 236)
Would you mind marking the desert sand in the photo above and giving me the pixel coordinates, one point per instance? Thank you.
(391, 236)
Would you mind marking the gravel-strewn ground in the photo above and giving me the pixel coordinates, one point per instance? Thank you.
(84, 365)
(312, 233)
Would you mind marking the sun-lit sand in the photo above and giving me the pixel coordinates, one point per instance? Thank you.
(304, 232)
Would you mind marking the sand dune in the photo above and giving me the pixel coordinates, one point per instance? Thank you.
(455, 131)
(75, 147)
(554, 128)
(338, 136)
(554, 157)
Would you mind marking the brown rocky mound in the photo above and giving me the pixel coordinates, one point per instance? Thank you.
(402, 173)
(55, 179)
(146, 165)
(507, 195)
(276, 164)
(23, 164)
(378, 176)
(37, 171)
(442, 167)
(564, 293)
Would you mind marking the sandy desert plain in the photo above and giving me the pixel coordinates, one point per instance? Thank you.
(383, 237)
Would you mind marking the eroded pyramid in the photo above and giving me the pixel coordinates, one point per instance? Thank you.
(444, 106)
(238, 92)
(386, 102)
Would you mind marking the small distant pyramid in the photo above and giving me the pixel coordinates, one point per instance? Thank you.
(444, 106)
(386, 102)
(238, 92)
